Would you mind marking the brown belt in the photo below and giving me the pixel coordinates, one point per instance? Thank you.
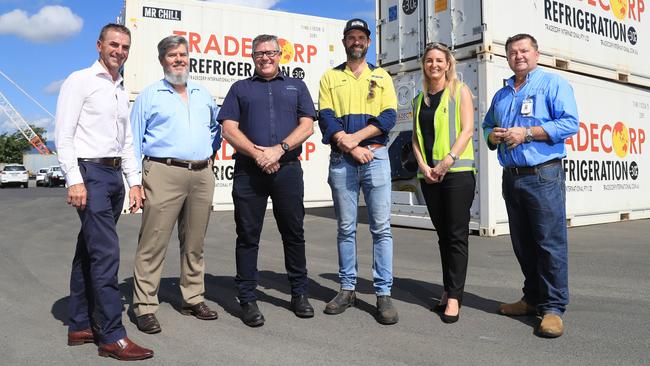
(115, 162)
(529, 170)
(374, 146)
(187, 164)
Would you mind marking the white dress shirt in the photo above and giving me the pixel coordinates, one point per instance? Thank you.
(92, 121)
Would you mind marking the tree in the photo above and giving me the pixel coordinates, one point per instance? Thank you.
(13, 146)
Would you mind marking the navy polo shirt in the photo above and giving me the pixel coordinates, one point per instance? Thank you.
(268, 110)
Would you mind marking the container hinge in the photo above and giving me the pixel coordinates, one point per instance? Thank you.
(480, 29)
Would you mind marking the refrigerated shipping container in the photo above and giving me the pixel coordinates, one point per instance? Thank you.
(607, 165)
(220, 40)
(593, 37)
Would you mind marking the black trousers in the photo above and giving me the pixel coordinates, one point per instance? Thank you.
(251, 190)
(449, 203)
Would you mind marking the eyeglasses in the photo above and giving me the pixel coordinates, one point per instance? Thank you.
(269, 54)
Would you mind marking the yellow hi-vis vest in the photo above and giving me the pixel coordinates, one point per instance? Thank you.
(447, 126)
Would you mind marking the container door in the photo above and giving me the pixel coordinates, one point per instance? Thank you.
(401, 25)
(456, 23)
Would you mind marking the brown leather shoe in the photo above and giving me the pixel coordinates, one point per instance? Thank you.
(80, 337)
(551, 326)
(201, 311)
(124, 350)
(148, 323)
(518, 308)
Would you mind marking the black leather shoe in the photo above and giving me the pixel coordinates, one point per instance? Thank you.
(343, 300)
(200, 311)
(251, 314)
(148, 323)
(301, 306)
(386, 312)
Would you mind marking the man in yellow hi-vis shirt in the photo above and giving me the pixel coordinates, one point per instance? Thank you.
(357, 110)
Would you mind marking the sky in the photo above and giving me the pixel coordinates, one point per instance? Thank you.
(46, 40)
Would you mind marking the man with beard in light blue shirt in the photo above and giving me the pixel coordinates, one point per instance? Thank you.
(175, 131)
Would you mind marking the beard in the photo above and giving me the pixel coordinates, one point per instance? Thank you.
(177, 79)
(356, 54)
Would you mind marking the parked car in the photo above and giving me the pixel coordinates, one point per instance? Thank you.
(40, 177)
(14, 174)
(54, 177)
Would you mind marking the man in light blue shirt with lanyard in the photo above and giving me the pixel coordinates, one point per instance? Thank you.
(175, 131)
(527, 123)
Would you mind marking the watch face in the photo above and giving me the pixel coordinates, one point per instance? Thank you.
(285, 146)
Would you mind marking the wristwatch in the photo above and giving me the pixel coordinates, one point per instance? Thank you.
(284, 146)
(529, 134)
(453, 157)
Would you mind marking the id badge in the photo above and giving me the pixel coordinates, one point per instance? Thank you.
(527, 107)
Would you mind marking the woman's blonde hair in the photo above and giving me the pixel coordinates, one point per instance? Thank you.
(451, 82)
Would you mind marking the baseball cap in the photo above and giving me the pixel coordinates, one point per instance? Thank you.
(356, 23)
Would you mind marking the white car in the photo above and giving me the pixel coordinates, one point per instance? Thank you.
(40, 177)
(14, 174)
(54, 177)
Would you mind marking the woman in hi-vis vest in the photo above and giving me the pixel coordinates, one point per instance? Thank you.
(443, 125)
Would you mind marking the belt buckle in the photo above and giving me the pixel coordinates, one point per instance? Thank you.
(115, 163)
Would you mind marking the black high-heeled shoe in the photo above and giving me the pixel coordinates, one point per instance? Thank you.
(448, 319)
(439, 307)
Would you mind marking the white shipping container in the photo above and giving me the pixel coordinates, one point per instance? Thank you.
(607, 165)
(220, 45)
(595, 37)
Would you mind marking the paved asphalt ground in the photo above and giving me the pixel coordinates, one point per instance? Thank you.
(608, 320)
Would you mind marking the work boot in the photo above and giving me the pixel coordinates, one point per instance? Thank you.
(343, 300)
(551, 326)
(386, 312)
(251, 314)
(301, 307)
(518, 308)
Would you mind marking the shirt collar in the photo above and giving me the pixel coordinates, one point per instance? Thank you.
(98, 69)
(280, 76)
(530, 75)
(165, 85)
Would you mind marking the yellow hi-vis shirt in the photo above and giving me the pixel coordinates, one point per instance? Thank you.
(349, 104)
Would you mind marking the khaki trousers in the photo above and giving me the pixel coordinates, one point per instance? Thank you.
(173, 194)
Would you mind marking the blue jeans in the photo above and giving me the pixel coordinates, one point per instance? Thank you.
(536, 205)
(346, 178)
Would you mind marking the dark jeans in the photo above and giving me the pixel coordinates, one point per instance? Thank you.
(537, 220)
(448, 204)
(94, 292)
(251, 190)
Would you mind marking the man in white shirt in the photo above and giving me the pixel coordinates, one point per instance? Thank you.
(95, 147)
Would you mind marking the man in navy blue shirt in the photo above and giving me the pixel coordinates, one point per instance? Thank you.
(266, 118)
(527, 123)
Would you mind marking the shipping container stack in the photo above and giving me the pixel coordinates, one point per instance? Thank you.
(599, 47)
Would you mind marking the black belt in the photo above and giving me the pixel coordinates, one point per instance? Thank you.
(112, 162)
(528, 170)
(187, 164)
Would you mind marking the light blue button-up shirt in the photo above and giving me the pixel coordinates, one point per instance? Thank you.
(553, 108)
(165, 126)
